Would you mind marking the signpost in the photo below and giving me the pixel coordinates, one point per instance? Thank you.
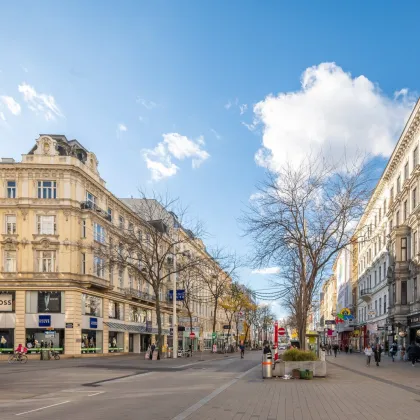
(276, 340)
(282, 331)
(192, 335)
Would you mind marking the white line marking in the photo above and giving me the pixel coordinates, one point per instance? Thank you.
(96, 393)
(202, 361)
(42, 408)
(209, 397)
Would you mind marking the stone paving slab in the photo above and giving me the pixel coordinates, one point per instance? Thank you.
(343, 395)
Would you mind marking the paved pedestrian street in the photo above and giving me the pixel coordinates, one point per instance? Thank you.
(216, 388)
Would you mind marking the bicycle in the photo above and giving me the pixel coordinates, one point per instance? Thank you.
(55, 355)
(18, 357)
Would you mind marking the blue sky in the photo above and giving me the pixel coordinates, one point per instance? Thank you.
(186, 85)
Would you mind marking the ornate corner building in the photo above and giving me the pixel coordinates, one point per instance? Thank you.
(53, 289)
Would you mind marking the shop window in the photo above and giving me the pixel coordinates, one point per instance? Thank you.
(11, 189)
(7, 301)
(7, 340)
(91, 341)
(10, 261)
(47, 189)
(46, 261)
(115, 342)
(91, 305)
(37, 338)
(11, 224)
(46, 225)
(49, 302)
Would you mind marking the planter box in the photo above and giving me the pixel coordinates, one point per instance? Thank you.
(319, 368)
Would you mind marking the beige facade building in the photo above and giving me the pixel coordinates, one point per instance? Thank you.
(53, 289)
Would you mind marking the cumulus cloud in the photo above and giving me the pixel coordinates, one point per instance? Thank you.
(122, 127)
(268, 270)
(243, 108)
(40, 103)
(11, 104)
(174, 146)
(331, 112)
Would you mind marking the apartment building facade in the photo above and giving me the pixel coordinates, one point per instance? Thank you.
(54, 289)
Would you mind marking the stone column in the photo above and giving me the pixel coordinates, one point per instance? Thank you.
(73, 336)
(20, 335)
(105, 315)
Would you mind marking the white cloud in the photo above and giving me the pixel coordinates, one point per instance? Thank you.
(268, 270)
(243, 108)
(122, 127)
(2, 117)
(174, 145)
(228, 105)
(25, 69)
(330, 112)
(40, 103)
(216, 134)
(11, 104)
(147, 104)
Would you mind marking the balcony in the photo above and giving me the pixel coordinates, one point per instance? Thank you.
(366, 295)
(88, 205)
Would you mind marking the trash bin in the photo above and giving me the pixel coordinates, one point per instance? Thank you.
(45, 354)
(267, 365)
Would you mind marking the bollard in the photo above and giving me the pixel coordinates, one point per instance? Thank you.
(267, 365)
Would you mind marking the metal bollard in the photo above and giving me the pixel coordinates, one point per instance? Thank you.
(267, 365)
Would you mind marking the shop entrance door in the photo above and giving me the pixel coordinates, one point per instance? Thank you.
(131, 343)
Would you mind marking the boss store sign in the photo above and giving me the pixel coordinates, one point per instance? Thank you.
(6, 302)
(44, 321)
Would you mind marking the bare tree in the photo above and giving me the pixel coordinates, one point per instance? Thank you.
(155, 244)
(303, 216)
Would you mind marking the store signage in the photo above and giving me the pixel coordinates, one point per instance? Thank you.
(329, 322)
(180, 294)
(44, 321)
(93, 322)
(6, 303)
(50, 334)
(225, 327)
(49, 302)
(69, 324)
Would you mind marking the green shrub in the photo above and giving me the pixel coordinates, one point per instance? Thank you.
(296, 355)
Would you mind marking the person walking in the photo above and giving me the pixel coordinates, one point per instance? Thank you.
(242, 348)
(412, 353)
(346, 348)
(394, 350)
(368, 353)
(152, 350)
(377, 351)
(351, 348)
(335, 349)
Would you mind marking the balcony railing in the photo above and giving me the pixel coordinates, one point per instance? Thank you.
(365, 292)
(88, 205)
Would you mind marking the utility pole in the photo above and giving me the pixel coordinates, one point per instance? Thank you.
(174, 317)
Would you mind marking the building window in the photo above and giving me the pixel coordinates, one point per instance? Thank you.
(392, 191)
(403, 249)
(380, 306)
(90, 200)
(397, 222)
(380, 214)
(394, 294)
(99, 233)
(414, 198)
(399, 184)
(47, 189)
(376, 308)
(10, 261)
(380, 274)
(10, 224)
(83, 263)
(46, 261)
(406, 173)
(385, 304)
(414, 244)
(375, 278)
(99, 267)
(109, 214)
(122, 222)
(405, 210)
(83, 228)
(11, 189)
(415, 289)
(46, 225)
(130, 281)
(121, 278)
(403, 293)
(131, 227)
(111, 275)
(415, 157)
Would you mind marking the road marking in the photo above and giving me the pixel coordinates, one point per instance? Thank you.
(209, 397)
(202, 361)
(42, 408)
(96, 393)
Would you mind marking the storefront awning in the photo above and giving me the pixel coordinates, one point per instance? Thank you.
(139, 329)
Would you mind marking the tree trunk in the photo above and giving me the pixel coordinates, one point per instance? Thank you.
(216, 304)
(159, 341)
(191, 329)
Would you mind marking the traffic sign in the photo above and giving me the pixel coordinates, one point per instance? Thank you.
(282, 331)
(192, 335)
(214, 335)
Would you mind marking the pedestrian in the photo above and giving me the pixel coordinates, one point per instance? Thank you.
(368, 353)
(412, 353)
(394, 350)
(152, 350)
(329, 349)
(335, 349)
(377, 351)
(346, 348)
(351, 348)
(242, 348)
(266, 348)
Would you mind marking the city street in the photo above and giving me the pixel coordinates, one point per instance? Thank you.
(217, 388)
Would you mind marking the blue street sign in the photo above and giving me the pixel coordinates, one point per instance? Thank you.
(180, 294)
(93, 322)
(44, 321)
